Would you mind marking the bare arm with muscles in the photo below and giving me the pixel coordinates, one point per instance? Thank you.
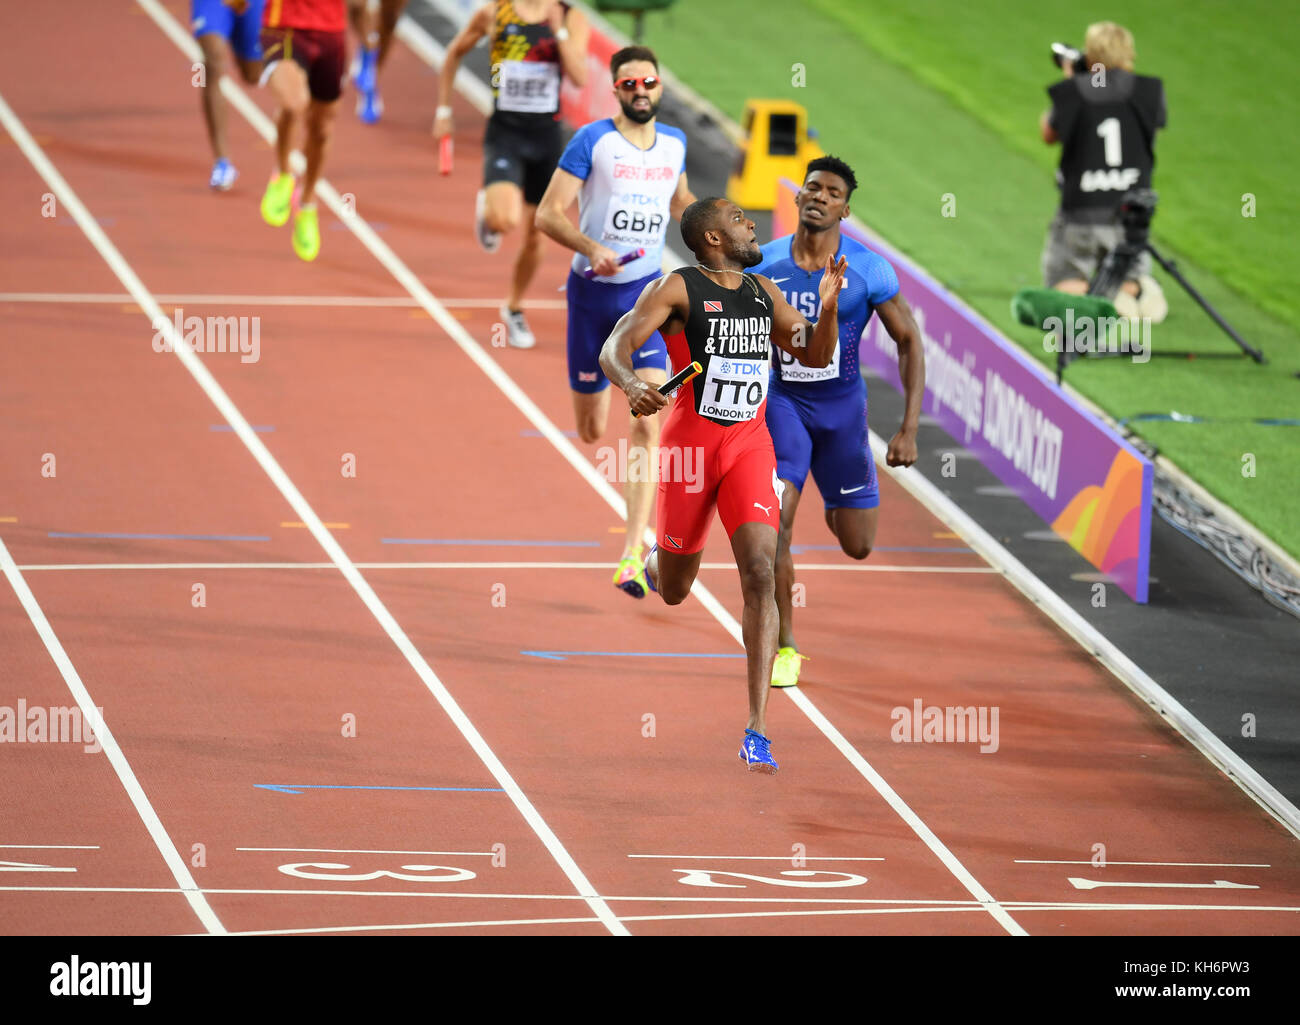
(662, 306)
(813, 345)
(897, 317)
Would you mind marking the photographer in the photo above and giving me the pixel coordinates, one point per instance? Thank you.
(1105, 118)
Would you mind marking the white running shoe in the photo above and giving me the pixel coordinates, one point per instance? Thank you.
(1151, 300)
(489, 240)
(518, 333)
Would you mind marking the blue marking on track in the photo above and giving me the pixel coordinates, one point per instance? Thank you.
(164, 537)
(488, 542)
(298, 788)
(560, 656)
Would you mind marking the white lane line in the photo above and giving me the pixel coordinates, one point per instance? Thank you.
(303, 511)
(1015, 905)
(308, 891)
(175, 863)
(626, 918)
(742, 857)
(400, 302)
(1094, 642)
(1171, 864)
(332, 929)
(46, 846)
(605, 566)
(408, 280)
(344, 850)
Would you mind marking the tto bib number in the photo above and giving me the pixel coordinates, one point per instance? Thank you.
(733, 389)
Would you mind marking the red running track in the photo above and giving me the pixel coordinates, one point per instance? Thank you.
(557, 814)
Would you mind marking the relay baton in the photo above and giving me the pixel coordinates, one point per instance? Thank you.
(626, 258)
(676, 381)
(444, 155)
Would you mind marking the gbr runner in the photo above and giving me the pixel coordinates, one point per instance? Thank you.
(727, 321)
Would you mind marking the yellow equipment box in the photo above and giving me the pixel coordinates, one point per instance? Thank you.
(776, 146)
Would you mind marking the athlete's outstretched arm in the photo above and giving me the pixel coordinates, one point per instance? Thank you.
(682, 197)
(553, 220)
(813, 345)
(897, 317)
(573, 51)
(662, 304)
(475, 29)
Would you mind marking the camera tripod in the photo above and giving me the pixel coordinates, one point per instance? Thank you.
(1136, 210)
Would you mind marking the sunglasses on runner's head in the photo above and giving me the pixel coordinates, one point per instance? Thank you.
(629, 85)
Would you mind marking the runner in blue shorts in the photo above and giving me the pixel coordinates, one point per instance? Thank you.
(214, 22)
(629, 177)
(818, 417)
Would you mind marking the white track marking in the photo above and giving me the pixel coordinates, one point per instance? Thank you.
(1170, 864)
(408, 280)
(46, 846)
(175, 863)
(332, 929)
(303, 511)
(1094, 642)
(741, 857)
(343, 850)
(1218, 884)
(605, 566)
(401, 302)
(1015, 905)
(625, 918)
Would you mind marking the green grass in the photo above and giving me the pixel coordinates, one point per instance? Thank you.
(933, 96)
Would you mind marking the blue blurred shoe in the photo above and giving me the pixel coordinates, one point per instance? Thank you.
(223, 175)
(756, 753)
(370, 108)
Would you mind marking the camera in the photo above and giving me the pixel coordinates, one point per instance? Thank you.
(1136, 208)
(1064, 55)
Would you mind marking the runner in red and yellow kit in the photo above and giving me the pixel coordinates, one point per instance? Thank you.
(305, 50)
(727, 321)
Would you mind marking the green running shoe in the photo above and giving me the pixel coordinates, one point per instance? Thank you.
(630, 575)
(306, 234)
(277, 200)
(785, 668)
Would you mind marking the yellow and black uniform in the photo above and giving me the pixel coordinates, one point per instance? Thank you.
(524, 139)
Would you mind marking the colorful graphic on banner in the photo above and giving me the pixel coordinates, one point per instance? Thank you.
(1073, 470)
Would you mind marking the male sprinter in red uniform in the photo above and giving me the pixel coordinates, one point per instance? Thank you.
(727, 321)
(305, 49)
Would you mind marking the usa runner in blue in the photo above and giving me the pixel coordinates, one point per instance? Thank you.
(214, 24)
(818, 417)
